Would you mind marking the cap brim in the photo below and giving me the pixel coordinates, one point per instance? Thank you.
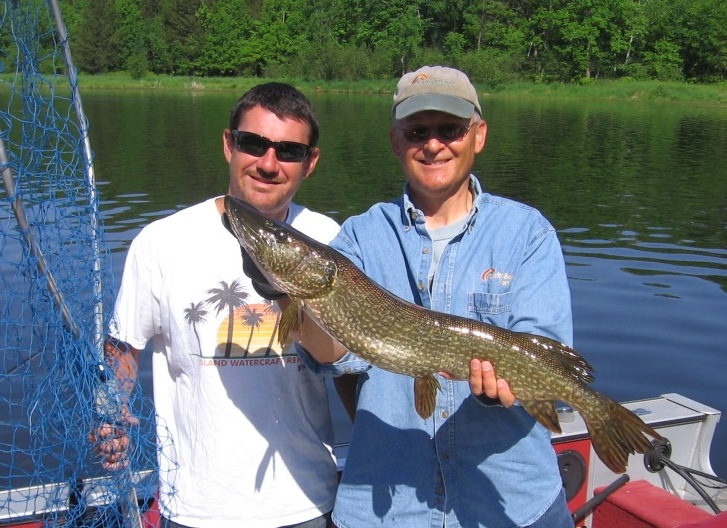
(434, 102)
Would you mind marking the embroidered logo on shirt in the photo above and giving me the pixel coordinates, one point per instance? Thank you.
(492, 274)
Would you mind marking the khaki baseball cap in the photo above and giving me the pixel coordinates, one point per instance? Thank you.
(435, 88)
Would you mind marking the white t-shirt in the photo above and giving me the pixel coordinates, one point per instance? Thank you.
(244, 430)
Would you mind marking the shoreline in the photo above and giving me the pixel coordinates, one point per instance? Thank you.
(714, 95)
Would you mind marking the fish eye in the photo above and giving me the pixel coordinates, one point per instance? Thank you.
(280, 235)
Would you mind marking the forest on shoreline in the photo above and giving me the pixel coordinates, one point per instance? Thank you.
(497, 42)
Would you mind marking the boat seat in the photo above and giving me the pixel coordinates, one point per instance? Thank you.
(640, 504)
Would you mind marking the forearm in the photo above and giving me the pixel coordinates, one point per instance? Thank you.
(110, 435)
(121, 359)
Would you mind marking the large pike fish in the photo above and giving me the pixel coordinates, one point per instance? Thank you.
(373, 324)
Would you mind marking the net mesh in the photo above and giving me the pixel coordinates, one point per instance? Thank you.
(56, 290)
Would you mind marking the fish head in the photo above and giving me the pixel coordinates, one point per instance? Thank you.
(292, 262)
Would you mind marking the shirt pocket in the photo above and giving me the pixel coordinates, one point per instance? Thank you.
(484, 304)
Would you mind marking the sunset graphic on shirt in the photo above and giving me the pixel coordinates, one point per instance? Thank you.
(254, 330)
(249, 330)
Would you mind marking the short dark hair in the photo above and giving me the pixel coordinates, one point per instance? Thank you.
(283, 100)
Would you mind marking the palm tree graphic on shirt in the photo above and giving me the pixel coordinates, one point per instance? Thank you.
(194, 315)
(228, 297)
(272, 308)
(255, 324)
(252, 318)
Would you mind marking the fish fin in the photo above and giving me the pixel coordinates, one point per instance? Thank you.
(544, 412)
(616, 432)
(290, 321)
(568, 359)
(425, 394)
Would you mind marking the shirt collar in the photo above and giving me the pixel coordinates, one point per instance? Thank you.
(410, 214)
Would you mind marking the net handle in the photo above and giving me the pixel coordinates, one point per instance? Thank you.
(72, 72)
(27, 233)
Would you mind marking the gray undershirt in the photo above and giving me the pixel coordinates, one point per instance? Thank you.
(440, 238)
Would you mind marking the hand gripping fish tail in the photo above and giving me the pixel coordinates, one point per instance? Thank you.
(374, 324)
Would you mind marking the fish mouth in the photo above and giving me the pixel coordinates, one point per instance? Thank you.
(246, 222)
(240, 209)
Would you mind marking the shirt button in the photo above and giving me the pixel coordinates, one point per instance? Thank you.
(445, 414)
(425, 251)
(421, 286)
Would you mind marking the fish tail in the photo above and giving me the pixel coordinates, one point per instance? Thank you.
(617, 433)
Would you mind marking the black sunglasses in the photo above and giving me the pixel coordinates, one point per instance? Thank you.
(257, 146)
(446, 133)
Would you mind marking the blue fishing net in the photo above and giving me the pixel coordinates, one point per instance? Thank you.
(56, 293)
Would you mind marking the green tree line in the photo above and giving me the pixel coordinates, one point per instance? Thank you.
(495, 41)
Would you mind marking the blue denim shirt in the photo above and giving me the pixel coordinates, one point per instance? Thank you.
(468, 465)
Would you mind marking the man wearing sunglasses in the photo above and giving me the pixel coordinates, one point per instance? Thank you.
(244, 430)
(481, 460)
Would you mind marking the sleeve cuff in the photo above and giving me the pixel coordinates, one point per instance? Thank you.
(485, 400)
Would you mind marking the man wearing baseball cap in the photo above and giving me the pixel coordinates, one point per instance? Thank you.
(480, 460)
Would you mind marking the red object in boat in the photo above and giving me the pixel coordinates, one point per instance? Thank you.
(640, 504)
(718, 521)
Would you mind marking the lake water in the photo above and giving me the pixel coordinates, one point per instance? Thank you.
(638, 193)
